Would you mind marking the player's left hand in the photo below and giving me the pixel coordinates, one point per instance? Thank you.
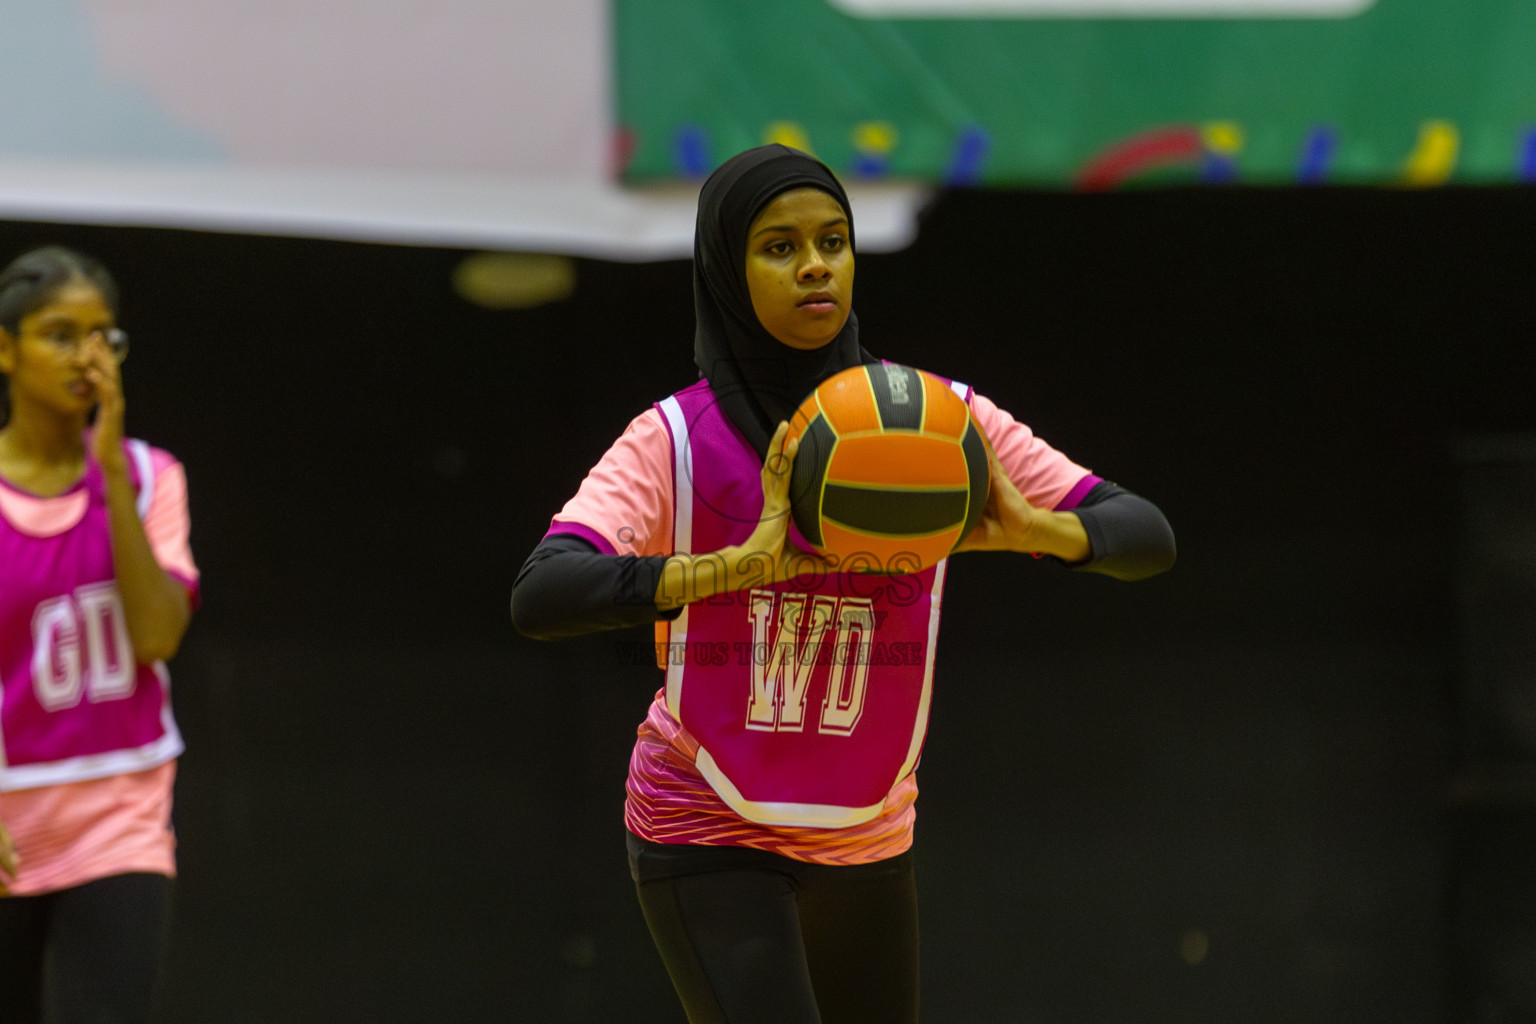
(1008, 521)
(105, 374)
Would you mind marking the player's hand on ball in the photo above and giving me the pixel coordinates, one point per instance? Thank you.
(1008, 520)
(767, 556)
(773, 524)
(769, 544)
(1011, 523)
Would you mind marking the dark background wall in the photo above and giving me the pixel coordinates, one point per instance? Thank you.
(1229, 793)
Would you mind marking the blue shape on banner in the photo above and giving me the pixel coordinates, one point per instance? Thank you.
(1218, 169)
(1528, 157)
(691, 152)
(1316, 156)
(870, 165)
(1220, 144)
(873, 142)
(970, 153)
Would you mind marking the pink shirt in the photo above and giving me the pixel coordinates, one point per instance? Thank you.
(87, 763)
(625, 506)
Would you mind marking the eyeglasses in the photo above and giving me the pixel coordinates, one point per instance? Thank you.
(67, 339)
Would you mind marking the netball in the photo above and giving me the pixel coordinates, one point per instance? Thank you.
(892, 468)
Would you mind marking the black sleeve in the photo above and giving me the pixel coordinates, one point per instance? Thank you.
(567, 587)
(1130, 537)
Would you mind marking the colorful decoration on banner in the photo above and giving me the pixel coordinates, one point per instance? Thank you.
(1209, 154)
(1528, 156)
(621, 149)
(970, 156)
(873, 142)
(1178, 146)
(1317, 156)
(691, 152)
(788, 133)
(1223, 141)
(1434, 157)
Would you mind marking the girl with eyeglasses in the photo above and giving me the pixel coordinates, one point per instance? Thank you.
(97, 586)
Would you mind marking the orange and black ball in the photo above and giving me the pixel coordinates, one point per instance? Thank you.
(892, 468)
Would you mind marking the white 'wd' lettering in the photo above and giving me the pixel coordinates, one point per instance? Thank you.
(783, 659)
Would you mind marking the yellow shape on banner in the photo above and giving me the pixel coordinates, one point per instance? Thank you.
(1223, 137)
(788, 133)
(877, 138)
(1434, 158)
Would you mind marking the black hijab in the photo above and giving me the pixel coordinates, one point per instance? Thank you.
(757, 379)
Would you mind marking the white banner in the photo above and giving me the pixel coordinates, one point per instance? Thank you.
(447, 122)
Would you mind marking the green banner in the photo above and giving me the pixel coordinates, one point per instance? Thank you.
(1085, 94)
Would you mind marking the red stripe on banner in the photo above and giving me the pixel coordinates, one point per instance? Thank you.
(1139, 153)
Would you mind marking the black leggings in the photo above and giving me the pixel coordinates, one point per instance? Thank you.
(86, 955)
(750, 937)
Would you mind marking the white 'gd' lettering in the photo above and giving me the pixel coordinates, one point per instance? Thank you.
(80, 648)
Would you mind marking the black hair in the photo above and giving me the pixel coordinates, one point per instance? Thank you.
(30, 283)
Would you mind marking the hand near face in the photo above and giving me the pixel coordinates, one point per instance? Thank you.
(104, 373)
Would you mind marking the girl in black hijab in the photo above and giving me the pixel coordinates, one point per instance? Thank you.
(756, 378)
(771, 791)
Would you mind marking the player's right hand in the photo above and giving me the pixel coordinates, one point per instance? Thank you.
(770, 540)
